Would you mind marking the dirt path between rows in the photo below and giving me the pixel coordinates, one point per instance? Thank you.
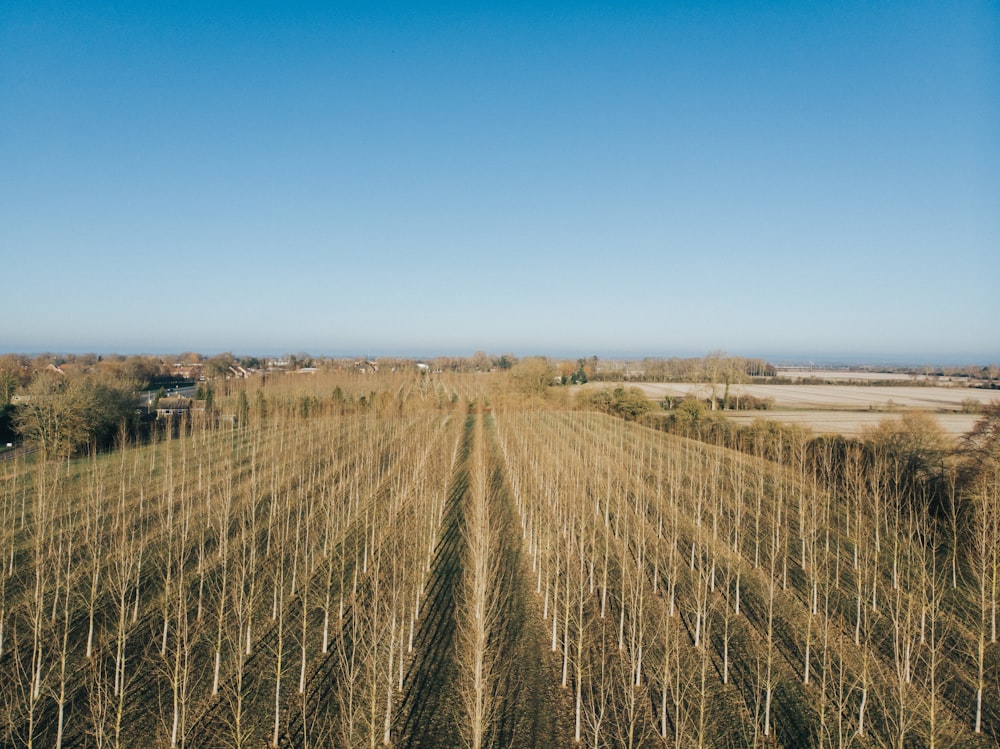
(531, 708)
(536, 711)
(427, 714)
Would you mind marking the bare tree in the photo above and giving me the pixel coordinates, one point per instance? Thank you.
(61, 696)
(984, 565)
(54, 414)
(905, 639)
(481, 605)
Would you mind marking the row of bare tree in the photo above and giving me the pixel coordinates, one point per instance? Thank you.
(171, 592)
(689, 588)
(267, 582)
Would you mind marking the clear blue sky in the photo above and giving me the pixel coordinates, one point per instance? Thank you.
(404, 177)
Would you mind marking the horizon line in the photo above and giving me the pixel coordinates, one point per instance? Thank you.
(777, 358)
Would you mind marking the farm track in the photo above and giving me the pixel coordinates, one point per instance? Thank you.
(427, 708)
(533, 711)
(529, 712)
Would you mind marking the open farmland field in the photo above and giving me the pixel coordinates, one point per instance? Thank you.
(437, 565)
(835, 397)
(840, 409)
(850, 423)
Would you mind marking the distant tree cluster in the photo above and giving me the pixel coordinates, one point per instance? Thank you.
(478, 362)
(987, 375)
(532, 375)
(629, 403)
(18, 370)
(578, 372)
(715, 367)
(61, 413)
(741, 402)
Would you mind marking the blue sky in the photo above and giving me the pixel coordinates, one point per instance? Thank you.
(568, 178)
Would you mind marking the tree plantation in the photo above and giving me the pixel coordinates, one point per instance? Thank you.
(467, 560)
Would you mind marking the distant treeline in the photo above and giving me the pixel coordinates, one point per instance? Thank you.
(716, 367)
(931, 381)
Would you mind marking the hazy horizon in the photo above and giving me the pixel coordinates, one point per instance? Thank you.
(817, 359)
